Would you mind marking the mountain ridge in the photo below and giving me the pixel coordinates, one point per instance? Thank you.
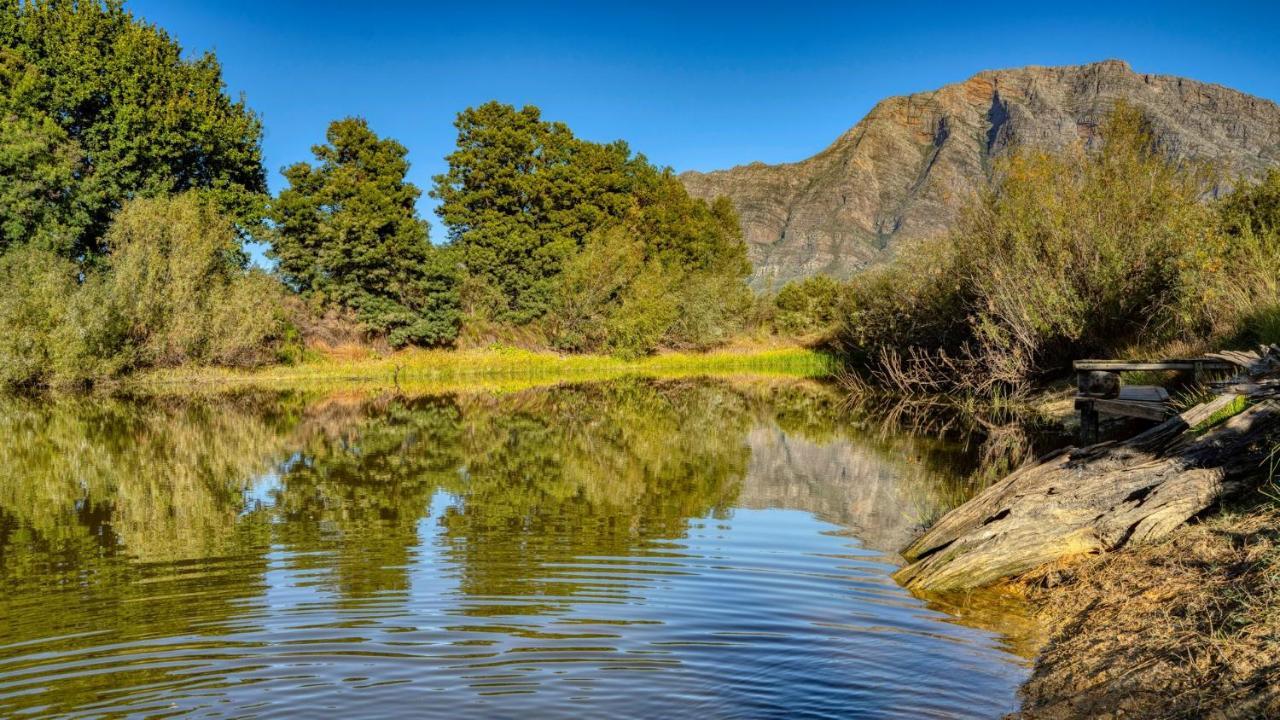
(904, 170)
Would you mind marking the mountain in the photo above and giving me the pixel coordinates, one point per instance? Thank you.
(905, 169)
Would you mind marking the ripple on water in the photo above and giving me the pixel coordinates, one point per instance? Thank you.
(368, 591)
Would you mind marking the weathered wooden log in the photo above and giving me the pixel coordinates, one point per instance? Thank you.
(1092, 499)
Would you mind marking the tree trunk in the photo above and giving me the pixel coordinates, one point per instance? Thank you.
(1092, 499)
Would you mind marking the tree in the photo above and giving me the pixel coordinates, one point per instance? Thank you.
(100, 107)
(39, 162)
(347, 234)
(601, 247)
(177, 287)
(808, 306)
(519, 198)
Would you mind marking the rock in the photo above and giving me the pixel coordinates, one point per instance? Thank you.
(904, 171)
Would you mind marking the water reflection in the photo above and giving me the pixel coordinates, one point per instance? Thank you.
(635, 548)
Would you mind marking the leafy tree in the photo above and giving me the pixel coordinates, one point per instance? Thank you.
(347, 234)
(520, 196)
(39, 162)
(179, 291)
(808, 306)
(604, 249)
(671, 273)
(35, 291)
(173, 290)
(100, 107)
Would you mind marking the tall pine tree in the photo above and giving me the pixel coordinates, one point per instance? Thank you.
(347, 234)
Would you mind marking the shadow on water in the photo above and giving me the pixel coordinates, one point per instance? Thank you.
(633, 547)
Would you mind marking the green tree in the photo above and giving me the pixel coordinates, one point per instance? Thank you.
(179, 289)
(520, 196)
(808, 306)
(347, 234)
(39, 162)
(671, 273)
(100, 107)
(604, 249)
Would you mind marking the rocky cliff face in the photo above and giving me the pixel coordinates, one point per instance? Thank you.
(904, 171)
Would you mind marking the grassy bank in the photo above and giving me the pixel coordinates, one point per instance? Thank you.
(500, 366)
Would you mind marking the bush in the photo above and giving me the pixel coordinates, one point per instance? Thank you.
(35, 293)
(808, 306)
(1067, 255)
(174, 290)
(177, 281)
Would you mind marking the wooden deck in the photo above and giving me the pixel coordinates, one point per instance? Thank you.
(1100, 391)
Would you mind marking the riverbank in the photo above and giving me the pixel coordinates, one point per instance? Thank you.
(495, 366)
(1188, 627)
(1164, 600)
(1185, 626)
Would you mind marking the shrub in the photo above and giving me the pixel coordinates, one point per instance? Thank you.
(808, 306)
(35, 293)
(177, 281)
(1068, 254)
(174, 290)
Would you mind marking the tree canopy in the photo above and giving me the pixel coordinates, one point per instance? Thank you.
(519, 197)
(347, 234)
(601, 246)
(99, 107)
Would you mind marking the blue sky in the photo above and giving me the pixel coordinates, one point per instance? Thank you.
(692, 85)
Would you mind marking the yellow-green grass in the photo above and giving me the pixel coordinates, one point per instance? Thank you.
(498, 368)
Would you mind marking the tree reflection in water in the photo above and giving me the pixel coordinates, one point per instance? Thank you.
(132, 520)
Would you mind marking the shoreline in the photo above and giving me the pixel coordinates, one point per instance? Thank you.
(492, 367)
(1185, 627)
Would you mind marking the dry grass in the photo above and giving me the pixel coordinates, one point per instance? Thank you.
(1187, 628)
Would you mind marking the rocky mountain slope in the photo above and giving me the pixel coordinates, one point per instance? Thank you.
(905, 169)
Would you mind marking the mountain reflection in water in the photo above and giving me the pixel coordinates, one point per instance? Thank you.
(633, 548)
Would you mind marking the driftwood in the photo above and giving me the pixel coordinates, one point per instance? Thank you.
(1101, 497)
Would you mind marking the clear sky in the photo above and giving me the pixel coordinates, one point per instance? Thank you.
(693, 85)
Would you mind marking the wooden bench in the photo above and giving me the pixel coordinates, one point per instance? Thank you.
(1099, 390)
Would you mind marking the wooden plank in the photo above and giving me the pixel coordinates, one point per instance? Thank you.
(1177, 364)
(1132, 408)
(1144, 393)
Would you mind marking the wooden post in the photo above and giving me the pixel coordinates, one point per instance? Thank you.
(1090, 430)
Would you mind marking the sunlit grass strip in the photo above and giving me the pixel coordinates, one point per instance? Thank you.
(425, 367)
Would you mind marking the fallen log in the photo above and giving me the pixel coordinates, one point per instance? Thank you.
(1102, 497)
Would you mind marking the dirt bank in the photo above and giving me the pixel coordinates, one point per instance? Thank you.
(1188, 627)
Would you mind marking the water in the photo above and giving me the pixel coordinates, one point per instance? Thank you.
(626, 549)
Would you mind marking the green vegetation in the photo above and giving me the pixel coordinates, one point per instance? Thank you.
(121, 231)
(499, 368)
(593, 246)
(173, 290)
(81, 85)
(1070, 255)
(808, 307)
(347, 235)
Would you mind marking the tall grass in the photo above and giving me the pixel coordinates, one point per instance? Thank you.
(504, 365)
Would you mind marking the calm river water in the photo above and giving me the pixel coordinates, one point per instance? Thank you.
(633, 548)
